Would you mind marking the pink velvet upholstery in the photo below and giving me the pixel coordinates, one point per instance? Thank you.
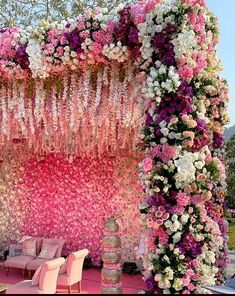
(74, 269)
(18, 262)
(47, 281)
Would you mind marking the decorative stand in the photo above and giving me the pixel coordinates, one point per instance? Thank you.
(111, 272)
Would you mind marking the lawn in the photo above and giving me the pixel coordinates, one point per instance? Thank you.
(231, 243)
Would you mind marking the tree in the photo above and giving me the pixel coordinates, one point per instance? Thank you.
(230, 156)
(30, 12)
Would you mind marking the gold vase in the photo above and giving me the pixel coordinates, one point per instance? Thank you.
(111, 276)
(111, 242)
(111, 258)
(111, 225)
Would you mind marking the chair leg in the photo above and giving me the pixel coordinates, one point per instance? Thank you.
(79, 287)
(7, 271)
(69, 289)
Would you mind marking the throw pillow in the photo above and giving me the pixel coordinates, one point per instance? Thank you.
(48, 251)
(36, 277)
(29, 248)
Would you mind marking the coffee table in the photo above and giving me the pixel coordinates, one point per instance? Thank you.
(3, 287)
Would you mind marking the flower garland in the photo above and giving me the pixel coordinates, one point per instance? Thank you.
(47, 118)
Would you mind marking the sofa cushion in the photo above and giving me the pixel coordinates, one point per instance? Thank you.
(29, 247)
(36, 263)
(23, 287)
(54, 241)
(48, 251)
(18, 261)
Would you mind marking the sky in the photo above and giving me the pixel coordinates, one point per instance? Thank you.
(225, 12)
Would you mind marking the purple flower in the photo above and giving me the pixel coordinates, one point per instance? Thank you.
(133, 37)
(185, 89)
(159, 40)
(150, 283)
(201, 125)
(75, 41)
(149, 120)
(218, 140)
(21, 57)
(158, 132)
(152, 201)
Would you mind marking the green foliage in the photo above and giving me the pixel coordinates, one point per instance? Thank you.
(230, 156)
(31, 12)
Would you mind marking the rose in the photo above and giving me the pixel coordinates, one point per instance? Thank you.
(147, 164)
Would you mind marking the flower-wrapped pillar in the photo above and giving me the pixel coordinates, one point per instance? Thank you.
(111, 271)
(183, 173)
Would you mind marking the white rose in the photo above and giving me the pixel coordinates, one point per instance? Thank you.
(184, 219)
(176, 237)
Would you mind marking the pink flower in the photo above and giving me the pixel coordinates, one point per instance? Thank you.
(147, 164)
(186, 281)
(150, 5)
(162, 236)
(182, 199)
(191, 287)
(186, 292)
(164, 152)
(185, 72)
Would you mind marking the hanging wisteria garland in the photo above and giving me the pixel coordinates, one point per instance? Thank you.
(172, 44)
(91, 113)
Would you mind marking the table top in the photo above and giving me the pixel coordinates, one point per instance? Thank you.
(3, 287)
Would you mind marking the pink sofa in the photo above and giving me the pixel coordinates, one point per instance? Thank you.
(34, 264)
(31, 263)
(47, 280)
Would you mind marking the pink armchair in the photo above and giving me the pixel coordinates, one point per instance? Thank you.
(34, 264)
(47, 280)
(73, 272)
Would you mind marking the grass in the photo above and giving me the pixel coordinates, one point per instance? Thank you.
(231, 242)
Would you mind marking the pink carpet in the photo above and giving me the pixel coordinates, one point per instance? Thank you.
(91, 283)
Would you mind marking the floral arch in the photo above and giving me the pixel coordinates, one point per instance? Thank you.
(74, 88)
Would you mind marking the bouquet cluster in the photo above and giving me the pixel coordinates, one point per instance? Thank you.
(183, 173)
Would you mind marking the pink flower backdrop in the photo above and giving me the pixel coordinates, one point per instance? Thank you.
(80, 88)
(55, 197)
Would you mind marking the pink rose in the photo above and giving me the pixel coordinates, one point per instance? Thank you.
(147, 164)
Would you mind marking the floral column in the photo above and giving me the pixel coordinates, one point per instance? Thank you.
(183, 173)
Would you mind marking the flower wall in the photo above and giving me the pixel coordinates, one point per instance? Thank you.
(54, 197)
(74, 87)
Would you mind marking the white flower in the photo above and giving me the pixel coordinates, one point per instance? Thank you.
(165, 131)
(185, 44)
(38, 66)
(168, 224)
(186, 169)
(178, 284)
(176, 237)
(163, 140)
(161, 80)
(116, 52)
(184, 219)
